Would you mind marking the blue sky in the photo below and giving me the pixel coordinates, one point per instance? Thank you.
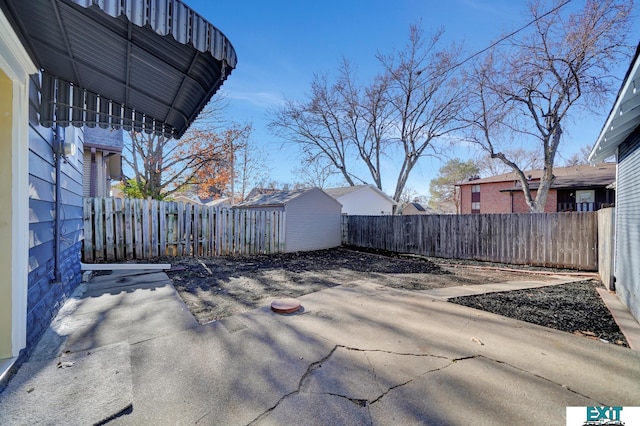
(281, 44)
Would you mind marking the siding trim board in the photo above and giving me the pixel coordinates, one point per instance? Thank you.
(15, 66)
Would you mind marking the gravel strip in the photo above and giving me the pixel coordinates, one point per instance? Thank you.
(575, 308)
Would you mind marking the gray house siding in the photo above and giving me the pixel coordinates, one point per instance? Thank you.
(44, 297)
(627, 271)
(312, 222)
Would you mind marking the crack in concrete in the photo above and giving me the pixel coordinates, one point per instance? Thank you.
(408, 381)
(538, 376)
(202, 417)
(393, 352)
(373, 370)
(464, 358)
(455, 360)
(359, 402)
(364, 403)
(314, 365)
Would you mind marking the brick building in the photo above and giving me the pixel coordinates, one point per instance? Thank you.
(576, 188)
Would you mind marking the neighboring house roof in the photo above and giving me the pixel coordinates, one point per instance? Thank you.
(417, 206)
(219, 202)
(108, 59)
(258, 191)
(581, 176)
(339, 192)
(624, 116)
(193, 199)
(279, 199)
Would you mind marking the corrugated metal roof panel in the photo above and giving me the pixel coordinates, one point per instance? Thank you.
(624, 116)
(168, 17)
(158, 58)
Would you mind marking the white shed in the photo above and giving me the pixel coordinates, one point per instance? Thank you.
(364, 200)
(312, 217)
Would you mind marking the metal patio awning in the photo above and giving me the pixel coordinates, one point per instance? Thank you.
(150, 65)
(624, 117)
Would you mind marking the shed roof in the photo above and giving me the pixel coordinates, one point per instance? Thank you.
(624, 116)
(280, 198)
(276, 199)
(566, 177)
(147, 65)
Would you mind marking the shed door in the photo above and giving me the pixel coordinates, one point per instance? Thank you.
(627, 269)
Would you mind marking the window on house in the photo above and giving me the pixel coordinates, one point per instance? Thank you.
(475, 199)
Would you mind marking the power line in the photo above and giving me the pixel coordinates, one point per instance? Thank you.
(511, 34)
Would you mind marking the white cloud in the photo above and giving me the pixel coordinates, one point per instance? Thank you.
(261, 99)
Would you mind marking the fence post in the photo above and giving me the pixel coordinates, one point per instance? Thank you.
(128, 229)
(119, 228)
(162, 225)
(606, 246)
(88, 222)
(99, 228)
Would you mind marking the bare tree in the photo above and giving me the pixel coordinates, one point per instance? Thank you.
(342, 121)
(425, 97)
(523, 93)
(526, 159)
(579, 158)
(250, 168)
(316, 172)
(410, 195)
(200, 162)
(162, 166)
(317, 126)
(410, 105)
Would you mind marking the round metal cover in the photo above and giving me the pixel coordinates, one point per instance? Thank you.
(285, 306)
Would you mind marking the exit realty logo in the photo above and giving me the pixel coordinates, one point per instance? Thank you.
(597, 416)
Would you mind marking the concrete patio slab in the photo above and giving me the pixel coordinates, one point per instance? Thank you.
(627, 323)
(124, 306)
(83, 388)
(358, 353)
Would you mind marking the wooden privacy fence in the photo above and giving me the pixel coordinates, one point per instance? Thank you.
(606, 246)
(125, 229)
(565, 240)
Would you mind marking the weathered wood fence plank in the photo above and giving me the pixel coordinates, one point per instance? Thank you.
(606, 246)
(566, 240)
(131, 229)
(88, 249)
